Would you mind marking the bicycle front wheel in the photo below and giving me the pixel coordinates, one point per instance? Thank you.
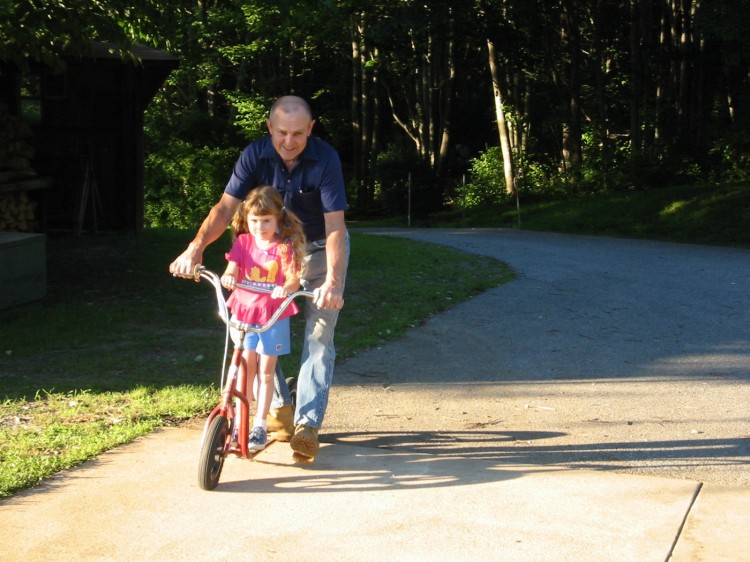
(212, 453)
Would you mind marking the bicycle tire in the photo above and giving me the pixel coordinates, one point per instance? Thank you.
(291, 383)
(212, 454)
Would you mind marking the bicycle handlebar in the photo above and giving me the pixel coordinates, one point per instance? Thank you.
(201, 272)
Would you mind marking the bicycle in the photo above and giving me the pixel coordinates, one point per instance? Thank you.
(226, 430)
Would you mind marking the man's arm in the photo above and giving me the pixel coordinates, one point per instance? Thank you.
(212, 228)
(331, 292)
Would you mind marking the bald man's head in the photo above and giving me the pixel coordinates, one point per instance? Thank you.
(290, 124)
(290, 104)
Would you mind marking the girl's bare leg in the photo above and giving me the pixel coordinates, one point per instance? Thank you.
(266, 373)
(251, 366)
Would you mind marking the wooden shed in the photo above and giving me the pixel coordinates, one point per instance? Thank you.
(87, 125)
(71, 155)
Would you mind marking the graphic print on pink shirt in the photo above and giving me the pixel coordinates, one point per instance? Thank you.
(260, 268)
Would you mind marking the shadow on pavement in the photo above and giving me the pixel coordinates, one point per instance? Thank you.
(395, 461)
(518, 448)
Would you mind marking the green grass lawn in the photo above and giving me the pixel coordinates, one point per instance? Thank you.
(119, 347)
(700, 214)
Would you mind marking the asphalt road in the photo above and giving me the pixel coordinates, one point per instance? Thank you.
(604, 353)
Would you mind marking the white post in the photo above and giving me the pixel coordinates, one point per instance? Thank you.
(408, 212)
(463, 190)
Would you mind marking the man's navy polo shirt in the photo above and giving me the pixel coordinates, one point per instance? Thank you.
(314, 186)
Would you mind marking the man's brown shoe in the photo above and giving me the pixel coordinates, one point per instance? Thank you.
(281, 422)
(304, 443)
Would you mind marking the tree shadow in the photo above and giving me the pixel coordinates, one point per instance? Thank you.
(388, 461)
(363, 462)
(518, 448)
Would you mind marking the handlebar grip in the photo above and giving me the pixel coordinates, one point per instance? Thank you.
(197, 270)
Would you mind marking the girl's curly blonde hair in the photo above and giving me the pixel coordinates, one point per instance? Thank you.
(266, 200)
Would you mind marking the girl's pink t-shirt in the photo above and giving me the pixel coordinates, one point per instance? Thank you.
(260, 268)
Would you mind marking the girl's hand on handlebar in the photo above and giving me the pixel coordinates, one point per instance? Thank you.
(228, 282)
(279, 292)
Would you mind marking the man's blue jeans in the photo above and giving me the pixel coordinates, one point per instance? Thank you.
(318, 350)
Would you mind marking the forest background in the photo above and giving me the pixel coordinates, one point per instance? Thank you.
(464, 104)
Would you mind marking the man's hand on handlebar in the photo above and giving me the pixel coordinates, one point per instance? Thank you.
(328, 297)
(185, 264)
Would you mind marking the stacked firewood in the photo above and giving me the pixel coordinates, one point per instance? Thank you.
(16, 148)
(18, 210)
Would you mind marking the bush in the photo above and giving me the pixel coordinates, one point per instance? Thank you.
(183, 182)
(251, 112)
(188, 161)
(733, 156)
(487, 185)
(392, 171)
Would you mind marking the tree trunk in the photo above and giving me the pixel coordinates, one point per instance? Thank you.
(366, 122)
(356, 108)
(446, 101)
(373, 119)
(502, 127)
(602, 127)
(571, 139)
(635, 75)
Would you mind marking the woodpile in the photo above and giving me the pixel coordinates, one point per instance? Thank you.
(18, 209)
(18, 212)
(16, 148)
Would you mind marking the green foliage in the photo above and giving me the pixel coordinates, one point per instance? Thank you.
(392, 172)
(251, 113)
(732, 154)
(605, 163)
(487, 185)
(536, 177)
(394, 166)
(32, 31)
(609, 167)
(661, 166)
(188, 162)
(184, 182)
(421, 63)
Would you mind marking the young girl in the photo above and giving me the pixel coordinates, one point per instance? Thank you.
(267, 251)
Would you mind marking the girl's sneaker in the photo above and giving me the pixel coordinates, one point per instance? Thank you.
(258, 439)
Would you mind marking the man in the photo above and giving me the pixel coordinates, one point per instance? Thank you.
(307, 172)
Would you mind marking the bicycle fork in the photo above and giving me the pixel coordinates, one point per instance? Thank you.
(234, 389)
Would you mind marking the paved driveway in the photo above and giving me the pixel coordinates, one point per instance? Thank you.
(603, 353)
